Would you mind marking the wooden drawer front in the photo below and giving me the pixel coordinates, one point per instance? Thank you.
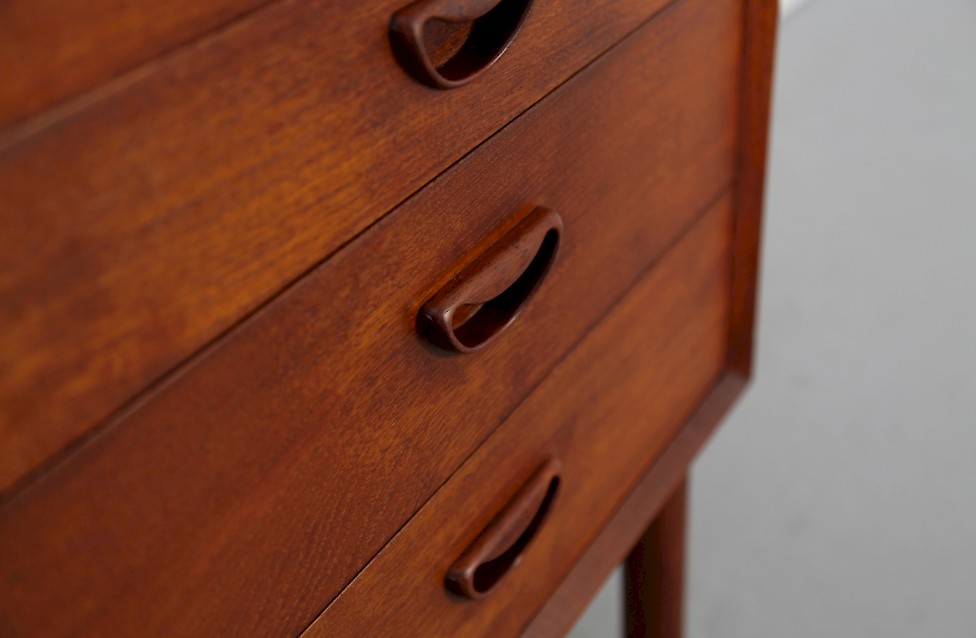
(138, 227)
(51, 50)
(604, 413)
(220, 502)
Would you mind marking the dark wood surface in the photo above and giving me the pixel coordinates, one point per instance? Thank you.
(254, 469)
(499, 547)
(143, 220)
(53, 49)
(755, 77)
(654, 574)
(68, 54)
(491, 26)
(612, 545)
(269, 421)
(485, 296)
(604, 413)
(637, 512)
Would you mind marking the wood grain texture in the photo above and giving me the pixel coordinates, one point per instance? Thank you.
(493, 25)
(244, 493)
(654, 574)
(498, 548)
(144, 221)
(570, 599)
(486, 295)
(635, 514)
(53, 49)
(605, 413)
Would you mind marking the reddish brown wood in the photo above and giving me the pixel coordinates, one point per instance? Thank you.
(445, 39)
(759, 24)
(494, 24)
(499, 547)
(634, 515)
(483, 298)
(605, 412)
(654, 574)
(756, 77)
(53, 49)
(142, 221)
(240, 496)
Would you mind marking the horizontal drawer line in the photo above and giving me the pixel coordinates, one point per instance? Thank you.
(163, 380)
(716, 197)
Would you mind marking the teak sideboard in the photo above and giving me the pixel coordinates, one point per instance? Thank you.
(367, 317)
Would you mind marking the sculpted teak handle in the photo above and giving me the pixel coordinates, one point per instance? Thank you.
(487, 294)
(500, 547)
(495, 23)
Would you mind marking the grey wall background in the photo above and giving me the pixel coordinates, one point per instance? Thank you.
(788, 7)
(840, 498)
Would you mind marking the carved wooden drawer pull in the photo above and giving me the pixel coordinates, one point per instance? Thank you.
(499, 548)
(493, 26)
(486, 296)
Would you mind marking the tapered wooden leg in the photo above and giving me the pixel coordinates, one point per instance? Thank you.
(654, 574)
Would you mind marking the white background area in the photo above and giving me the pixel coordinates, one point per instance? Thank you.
(788, 7)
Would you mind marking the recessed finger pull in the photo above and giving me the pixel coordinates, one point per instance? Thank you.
(485, 296)
(479, 32)
(500, 547)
